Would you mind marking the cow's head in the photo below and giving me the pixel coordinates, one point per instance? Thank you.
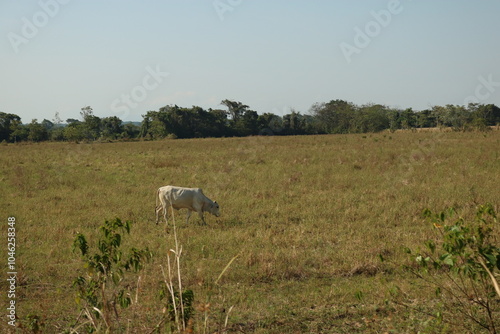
(214, 209)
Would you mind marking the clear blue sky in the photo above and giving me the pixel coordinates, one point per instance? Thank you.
(125, 57)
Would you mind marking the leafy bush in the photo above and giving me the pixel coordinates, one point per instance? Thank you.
(100, 291)
(460, 263)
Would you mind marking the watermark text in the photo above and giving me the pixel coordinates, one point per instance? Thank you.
(139, 93)
(483, 90)
(223, 6)
(373, 28)
(12, 273)
(31, 27)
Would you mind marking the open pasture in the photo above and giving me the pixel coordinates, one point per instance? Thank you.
(307, 218)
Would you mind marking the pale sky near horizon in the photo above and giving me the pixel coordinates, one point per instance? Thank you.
(126, 57)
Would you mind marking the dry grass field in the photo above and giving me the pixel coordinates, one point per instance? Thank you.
(307, 218)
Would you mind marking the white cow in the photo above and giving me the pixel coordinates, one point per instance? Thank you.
(192, 199)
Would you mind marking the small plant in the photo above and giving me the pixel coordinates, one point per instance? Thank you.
(179, 305)
(179, 302)
(100, 291)
(174, 309)
(460, 263)
(32, 324)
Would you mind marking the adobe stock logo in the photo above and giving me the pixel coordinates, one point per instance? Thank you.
(223, 6)
(30, 28)
(139, 93)
(363, 37)
(483, 91)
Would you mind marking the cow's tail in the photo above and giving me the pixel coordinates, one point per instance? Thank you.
(157, 198)
(156, 207)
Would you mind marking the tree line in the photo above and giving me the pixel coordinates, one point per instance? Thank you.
(172, 121)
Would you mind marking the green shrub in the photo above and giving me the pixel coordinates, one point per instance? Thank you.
(100, 291)
(460, 263)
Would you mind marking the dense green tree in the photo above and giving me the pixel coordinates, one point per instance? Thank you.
(91, 123)
(370, 118)
(48, 125)
(57, 133)
(146, 125)
(235, 109)
(336, 116)
(130, 131)
(270, 124)
(458, 117)
(401, 119)
(394, 119)
(294, 124)
(74, 132)
(111, 127)
(311, 125)
(180, 122)
(18, 131)
(489, 112)
(37, 132)
(72, 120)
(6, 128)
(425, 119)
(439, 115)
(408, 119)
(220, 122)
(154, 125)
(247, 124)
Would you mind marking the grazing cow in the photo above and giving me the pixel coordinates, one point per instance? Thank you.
(192, 199)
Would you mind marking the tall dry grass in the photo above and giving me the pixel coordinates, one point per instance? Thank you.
(307, 216)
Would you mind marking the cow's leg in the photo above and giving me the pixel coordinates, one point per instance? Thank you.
(200, 214)
(188, 215)
(157, 210)
(165, 212)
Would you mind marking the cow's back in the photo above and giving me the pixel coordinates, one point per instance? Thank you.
(180, 197)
